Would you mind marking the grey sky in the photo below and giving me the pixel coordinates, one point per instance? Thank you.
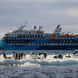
(47, 13)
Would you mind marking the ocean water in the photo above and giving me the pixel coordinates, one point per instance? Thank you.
(39, 68)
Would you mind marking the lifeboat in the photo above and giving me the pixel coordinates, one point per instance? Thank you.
(66, 35)
(50, 36)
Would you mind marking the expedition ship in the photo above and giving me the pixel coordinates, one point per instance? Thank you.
(36, 39)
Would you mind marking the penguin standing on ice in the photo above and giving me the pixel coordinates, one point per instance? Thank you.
(42, 55)
(4, 55)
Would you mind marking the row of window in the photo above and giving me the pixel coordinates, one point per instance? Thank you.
(42, 44)
(63, 40)
(70, 37)
(44, 41)
(25, 36)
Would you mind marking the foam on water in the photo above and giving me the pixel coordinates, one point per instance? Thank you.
(49, 61)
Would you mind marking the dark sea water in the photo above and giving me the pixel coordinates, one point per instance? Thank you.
(46, 68)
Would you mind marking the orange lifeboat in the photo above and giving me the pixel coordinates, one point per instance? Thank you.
(50, 36)
(65, 35)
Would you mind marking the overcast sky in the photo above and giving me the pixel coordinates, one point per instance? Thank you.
(47, 13)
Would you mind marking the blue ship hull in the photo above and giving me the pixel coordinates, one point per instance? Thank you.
(37, 47)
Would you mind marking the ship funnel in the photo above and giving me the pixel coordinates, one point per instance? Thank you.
(57, 30)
